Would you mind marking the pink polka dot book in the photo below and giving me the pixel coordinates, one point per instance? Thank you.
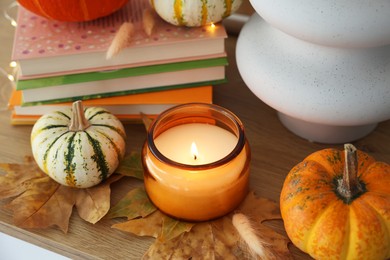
(59, 62)
(46, 47)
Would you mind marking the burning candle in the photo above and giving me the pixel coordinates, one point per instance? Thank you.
(196, 160)
(195, 143)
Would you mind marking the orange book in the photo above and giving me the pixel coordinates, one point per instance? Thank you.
(127, 107)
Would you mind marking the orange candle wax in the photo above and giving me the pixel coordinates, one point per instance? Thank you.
(196, 162)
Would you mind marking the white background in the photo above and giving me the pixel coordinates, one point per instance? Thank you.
(15, 249)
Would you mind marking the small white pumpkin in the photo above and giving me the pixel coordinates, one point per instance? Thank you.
(77, 147)
(194, 13)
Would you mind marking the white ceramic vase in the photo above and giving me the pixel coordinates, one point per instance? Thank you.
(323, 65)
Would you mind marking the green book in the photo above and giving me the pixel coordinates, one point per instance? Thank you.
(120, 73)
(122, 93)
(196, 72)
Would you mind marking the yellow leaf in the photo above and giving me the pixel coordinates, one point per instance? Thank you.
(148, 226)
(93, 203)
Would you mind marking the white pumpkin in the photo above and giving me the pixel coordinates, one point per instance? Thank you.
(77, 147)
(194, 13)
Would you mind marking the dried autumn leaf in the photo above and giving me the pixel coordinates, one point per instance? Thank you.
(206, 240)
(131, 166)
(184, 247)
(258, 210)
(155, 225)
(148, 226)
(135, 204)
(146, 121)
(41, 202)
(152, 222)
(93, 203)
(226, 238)
(18, 178)
(216, 239)
(172, 228)
(45, 203)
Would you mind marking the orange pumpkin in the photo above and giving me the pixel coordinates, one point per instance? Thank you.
(336, 205)
(72, 10)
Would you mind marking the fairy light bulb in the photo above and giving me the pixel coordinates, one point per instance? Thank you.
(13, 64)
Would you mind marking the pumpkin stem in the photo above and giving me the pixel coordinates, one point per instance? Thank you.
(350, 186)
(78, 122)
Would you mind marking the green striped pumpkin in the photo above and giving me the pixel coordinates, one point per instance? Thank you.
(77, 147)
(194, 13)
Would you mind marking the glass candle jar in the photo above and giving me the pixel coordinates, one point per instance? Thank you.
(196, 162)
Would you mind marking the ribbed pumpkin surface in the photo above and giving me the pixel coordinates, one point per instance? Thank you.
(78, 158)
(195, 12)
(326, 225)
(72, 10)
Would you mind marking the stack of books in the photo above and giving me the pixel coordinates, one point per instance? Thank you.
(60, 62)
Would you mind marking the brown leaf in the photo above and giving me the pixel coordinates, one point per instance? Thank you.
(206, 240)
(216, 239)
(146, 121)
(226, 239)
(41, 202)
(259, 210)
(18, 178)
(184, 246)
(93, 203)
(148, 226)
(135, 204)
(45, 203)
(172, 228)
(155, 225)
(131, 166)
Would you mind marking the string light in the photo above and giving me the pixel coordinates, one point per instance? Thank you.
(5, 89)
(13, 64)
(7, 86)
(9, 17)
(6, 13)
(11, 78)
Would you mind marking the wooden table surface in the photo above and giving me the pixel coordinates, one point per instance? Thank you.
(274, 152)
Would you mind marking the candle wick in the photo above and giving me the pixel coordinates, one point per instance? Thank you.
(195, 157)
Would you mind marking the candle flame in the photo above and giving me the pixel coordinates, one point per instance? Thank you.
(194, 150)
(212, 25)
